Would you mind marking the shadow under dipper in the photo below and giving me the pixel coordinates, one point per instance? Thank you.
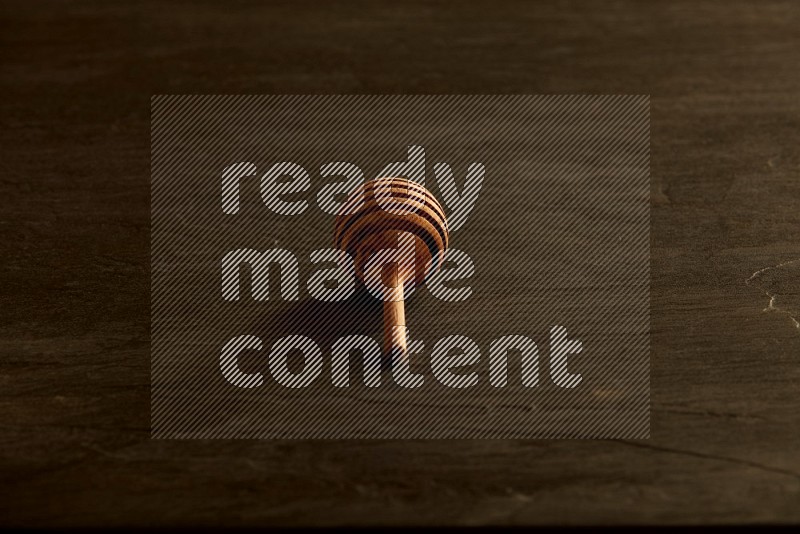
(325, 322)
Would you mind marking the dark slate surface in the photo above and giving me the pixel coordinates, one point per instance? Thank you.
(74, 410)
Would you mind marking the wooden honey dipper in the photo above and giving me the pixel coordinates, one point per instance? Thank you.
(400, 216)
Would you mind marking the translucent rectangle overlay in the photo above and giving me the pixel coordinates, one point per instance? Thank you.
(547, 197)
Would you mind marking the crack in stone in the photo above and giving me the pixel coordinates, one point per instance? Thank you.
(781, 284)
(705, 456)
(709, 413)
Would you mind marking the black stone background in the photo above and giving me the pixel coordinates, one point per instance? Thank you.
(76, 81)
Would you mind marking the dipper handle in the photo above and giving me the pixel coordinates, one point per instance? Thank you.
(394, 320)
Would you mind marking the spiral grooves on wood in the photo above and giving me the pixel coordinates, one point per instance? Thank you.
(422, 216)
